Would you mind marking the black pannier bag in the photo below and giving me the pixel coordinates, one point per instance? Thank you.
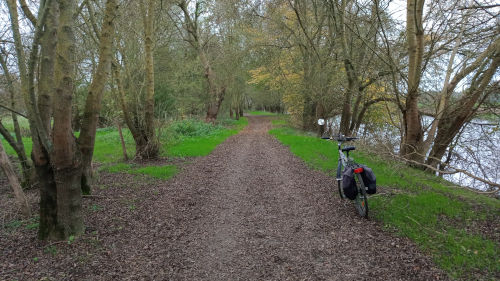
(369, 180)
(349, 184)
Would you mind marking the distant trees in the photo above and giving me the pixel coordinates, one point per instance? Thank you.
(216, 88)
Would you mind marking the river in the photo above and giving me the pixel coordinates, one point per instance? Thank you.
(476, 150)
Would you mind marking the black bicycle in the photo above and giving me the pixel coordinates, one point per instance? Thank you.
(345, 166)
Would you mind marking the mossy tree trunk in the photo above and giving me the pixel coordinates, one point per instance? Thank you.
(412, 141)
(149, 148)
(86, 141)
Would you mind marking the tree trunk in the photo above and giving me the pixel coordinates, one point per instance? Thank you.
(48, 193)
(215, 91)
(150, 86)
(56, 157)
(65, 158)
(148, 147)
(140, 139)
(444, 96)
(122, 141)
(18, 144)
(86, 141)
(216, 94)
(14, 183)
(231, 114)
(41, 159)
(320, 114)
(237, 112)
(456, 116)
(352, 76)
(412, 143)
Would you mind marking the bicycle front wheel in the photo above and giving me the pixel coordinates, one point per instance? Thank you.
(340, 168)
(361, 200)
(341, 191)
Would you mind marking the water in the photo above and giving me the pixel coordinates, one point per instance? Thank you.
(476, 151)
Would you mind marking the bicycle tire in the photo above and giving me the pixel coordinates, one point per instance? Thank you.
(339, 182)
(341, 191)
(361, 200)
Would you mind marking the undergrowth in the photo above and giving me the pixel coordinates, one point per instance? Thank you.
(199, 139)
(440, 218)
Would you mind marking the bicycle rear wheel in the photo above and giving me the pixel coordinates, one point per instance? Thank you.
(361, 200)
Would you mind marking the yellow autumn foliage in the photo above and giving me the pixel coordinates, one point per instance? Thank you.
(281, 76)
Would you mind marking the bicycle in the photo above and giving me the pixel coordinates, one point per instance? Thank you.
(344, 162)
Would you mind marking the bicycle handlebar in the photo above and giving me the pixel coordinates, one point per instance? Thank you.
(340, 138)
(344, 138)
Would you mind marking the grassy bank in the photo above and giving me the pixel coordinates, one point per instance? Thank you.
(458, 228)
(187, 138)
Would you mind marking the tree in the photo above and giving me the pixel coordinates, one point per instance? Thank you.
(133, 69)
(151, 149)
(86, 141)
(216, 90)
(463, 109)
(57, 158)
(17, 143)
(413, 134)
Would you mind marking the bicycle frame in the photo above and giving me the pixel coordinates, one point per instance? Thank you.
(360, 201)
(343, 160)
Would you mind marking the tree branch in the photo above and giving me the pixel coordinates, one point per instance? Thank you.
(27, 12)
(13, 110)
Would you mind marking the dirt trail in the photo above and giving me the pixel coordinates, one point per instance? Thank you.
(248, 211)
(263, 215)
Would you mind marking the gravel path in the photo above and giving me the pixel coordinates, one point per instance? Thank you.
(249, 211)
(263, 215)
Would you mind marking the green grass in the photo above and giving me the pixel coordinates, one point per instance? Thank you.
(186, 138)
(159, 172)
(23, 124)
(162, 172)
(280, 120)
(201, 144)
(415, 204)
(260, 112)
(108, 148)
